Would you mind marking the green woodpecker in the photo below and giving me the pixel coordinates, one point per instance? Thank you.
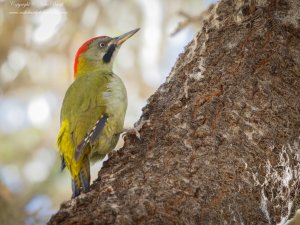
(93, 109)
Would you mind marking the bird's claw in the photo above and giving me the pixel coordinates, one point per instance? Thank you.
(135, 130)
(131, 131)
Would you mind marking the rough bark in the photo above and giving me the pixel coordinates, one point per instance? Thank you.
(222, 142)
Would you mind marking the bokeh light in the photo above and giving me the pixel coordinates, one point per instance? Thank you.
(38, 111)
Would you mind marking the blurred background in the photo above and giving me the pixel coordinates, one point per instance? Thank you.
(38, 41)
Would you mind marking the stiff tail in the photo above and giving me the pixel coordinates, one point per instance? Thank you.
(85, 175)
(83, 179)
(75, 187)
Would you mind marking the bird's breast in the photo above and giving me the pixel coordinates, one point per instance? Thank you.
(115, 98)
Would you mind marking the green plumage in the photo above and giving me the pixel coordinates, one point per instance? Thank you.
(93, 110)
(87, 99)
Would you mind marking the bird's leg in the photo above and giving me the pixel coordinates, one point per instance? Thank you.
(135, 130)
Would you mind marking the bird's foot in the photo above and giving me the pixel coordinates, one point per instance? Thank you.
(131, 131)
(135, 130)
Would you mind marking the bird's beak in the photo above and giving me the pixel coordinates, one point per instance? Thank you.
(122, 38)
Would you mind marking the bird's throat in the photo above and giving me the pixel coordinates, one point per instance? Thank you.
(83, 66)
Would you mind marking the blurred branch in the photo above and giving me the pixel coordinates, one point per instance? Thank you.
(188, 19)
(10, 214)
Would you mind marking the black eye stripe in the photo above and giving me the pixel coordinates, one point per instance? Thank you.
(108, 55)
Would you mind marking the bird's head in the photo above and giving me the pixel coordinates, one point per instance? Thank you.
(98, 53)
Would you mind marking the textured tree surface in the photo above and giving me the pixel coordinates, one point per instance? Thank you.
(221, 143)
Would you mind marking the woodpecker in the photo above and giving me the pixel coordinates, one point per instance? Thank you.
(93, 109)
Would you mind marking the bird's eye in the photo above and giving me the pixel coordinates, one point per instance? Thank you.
(102, 44)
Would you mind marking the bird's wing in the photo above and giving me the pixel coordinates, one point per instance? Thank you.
(82, 108)
(91, 136)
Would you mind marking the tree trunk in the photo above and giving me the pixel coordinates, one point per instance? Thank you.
(221, 144)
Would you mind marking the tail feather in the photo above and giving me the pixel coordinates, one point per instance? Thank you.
(75, 188)
(82, 181)
(85, 175)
